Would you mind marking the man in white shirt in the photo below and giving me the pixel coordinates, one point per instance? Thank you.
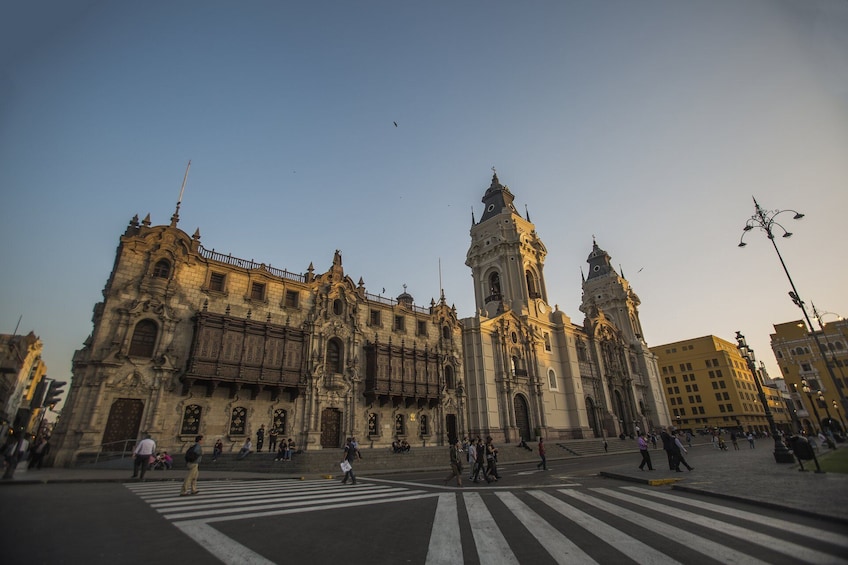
(143, 451)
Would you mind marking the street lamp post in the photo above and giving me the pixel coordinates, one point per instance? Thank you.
(781, 453)
(838, 415)
(809, 392)
(765, 220)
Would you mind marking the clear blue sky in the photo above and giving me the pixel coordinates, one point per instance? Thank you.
(647, 124)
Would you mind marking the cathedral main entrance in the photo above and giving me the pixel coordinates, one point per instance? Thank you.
(331, 425)
(522, 418)
(122, 425)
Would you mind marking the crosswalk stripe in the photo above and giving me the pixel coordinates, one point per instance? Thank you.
(239, 510)
(445, 542)
(492, 547)
(802, 553)
(413, 495)
(821, 535)
(225, 549)
(633, 548)
(207, 501)
(693, 541)
(560, 547)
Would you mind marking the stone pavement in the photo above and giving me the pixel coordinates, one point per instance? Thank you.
(749, 475)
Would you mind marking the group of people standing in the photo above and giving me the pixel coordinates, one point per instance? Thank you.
(19, 448)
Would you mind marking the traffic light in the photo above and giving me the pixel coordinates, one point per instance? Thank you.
(54, 391)
(38, 396)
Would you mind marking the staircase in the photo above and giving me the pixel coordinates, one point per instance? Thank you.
(327, 461)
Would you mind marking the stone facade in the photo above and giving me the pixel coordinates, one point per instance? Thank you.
(529, 370)
(190, 341)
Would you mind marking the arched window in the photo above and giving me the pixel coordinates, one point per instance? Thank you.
(446, 332)
(495, 285)
(335, 361)
(449, 380)
(162, 269)
(279, 421)
(400, 426)
(144, 339)
(238, 421)
(532, 287)
(424, 425)
(191, 420)
(373, 424)
(552, 382)
(337, 307)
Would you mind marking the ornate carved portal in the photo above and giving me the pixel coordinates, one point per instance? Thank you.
(522, 418)
(331, 425)
(123, 423)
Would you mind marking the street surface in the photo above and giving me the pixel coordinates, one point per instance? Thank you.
(563, 515)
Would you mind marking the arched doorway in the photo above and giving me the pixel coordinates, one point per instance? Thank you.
(593, 416)
(331, 425)
(522, 418)
(123, 423)
(622, 414)
(450, 427)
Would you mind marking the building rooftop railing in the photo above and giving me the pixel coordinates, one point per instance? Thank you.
(228, 259)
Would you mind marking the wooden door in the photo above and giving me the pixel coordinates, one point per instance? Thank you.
(331, 424)
(123, 423)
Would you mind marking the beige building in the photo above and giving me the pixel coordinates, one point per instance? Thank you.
(708, 385)
(191, 341)
(529, 370)
(21, 372)
(801, 361)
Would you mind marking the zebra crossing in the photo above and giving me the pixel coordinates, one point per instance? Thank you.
(509, 526)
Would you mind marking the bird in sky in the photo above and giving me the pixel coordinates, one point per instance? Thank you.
(395, 123)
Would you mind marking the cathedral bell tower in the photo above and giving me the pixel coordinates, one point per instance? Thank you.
(507, 258)
(610, 292)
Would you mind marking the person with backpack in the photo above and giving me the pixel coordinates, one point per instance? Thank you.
(192, 456)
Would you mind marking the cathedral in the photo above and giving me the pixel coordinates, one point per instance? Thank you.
(190, 341)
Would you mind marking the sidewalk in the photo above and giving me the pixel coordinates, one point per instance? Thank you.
(749, 475)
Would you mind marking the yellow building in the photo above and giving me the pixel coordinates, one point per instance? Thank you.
(708, 384)
(801, 362)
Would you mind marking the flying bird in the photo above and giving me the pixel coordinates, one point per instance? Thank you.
(395, 123)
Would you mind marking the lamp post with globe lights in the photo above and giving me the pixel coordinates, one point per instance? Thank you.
(839, 415)
(781, 453)
(766, 221)
(809, 392)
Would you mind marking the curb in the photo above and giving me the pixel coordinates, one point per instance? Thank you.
(649, 482)
(765, 504)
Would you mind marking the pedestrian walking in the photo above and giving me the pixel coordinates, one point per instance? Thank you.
(143, 453)
(734, 440)
(14, 450)
(646, 456)
(455, 464)
(606, 446)
(192, 456)
(42, 448)
(472, 458)
(668, 446)
(678, 455)
(217, 450)
(481, 462)
(751, 440)
(492, 459)
(351, 452)
(543, 464)
(260, 438)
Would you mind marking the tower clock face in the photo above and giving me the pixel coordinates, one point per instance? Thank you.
(596, 268)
